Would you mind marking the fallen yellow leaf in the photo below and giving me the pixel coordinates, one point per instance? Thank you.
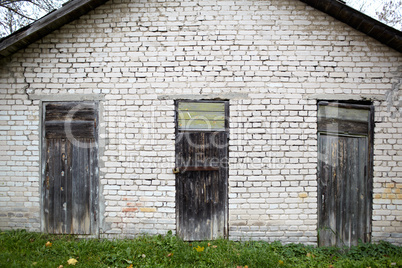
(72, 261)
(48, 244)
(199, 249)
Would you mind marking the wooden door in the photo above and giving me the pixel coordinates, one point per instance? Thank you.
(70, 168)
(202, 170)
(344, 173)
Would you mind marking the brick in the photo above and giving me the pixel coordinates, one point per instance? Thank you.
(273, 132)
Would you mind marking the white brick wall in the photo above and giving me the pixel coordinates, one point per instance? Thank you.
(279, 53)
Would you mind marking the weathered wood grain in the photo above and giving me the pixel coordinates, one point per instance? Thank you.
(70, 188)
(70, 119)
(344, 183)
(201, 187)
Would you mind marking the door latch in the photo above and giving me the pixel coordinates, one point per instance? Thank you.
(176, 170)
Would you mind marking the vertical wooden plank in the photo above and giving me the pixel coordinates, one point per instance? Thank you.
(345, 189)
(203, 217)
(220, 185)
(331, 191)
(52, 173)
(338, 194)
(347, 196)
(76, 187)
(325, 185)
(192, 198)
(198, 188)
(191, 205)
(329, 152)
(63, 197)
(362, 214)
(83, 210)
(87, 193)
(354, 193)
(81, 194)
(96, 186)
(92, 186)
(369, 189)
(205, 185)
(46, 184)
(321, 188)
(359, 163)
(328, 234)
(179, 182)
(192, 185)
(83, 191)
(69, 188)
(215, 201)
(57, 205)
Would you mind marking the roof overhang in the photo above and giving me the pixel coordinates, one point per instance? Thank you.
(359, 21)
(25, 36)
(73, 9)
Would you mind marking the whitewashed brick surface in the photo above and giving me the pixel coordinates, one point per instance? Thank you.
(278, 54)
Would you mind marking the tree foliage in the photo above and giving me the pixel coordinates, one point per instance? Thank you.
(386, 11)
(15, 14)
(391, 13)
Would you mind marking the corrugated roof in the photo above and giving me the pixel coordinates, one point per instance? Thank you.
(73, 9)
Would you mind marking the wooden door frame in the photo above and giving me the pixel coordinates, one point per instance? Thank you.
(95, 225)
(226, 201)
(370, 161)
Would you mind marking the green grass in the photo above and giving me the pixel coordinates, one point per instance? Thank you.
(24, 249)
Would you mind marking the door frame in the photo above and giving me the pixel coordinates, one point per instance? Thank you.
(367, 105)
(226, 200)
(95, 226)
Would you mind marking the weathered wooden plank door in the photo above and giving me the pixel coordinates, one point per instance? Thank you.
(202, 169)
(345, 139)
(70, 168)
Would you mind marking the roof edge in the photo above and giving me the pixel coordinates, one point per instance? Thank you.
(359, 21)
(25, 36)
